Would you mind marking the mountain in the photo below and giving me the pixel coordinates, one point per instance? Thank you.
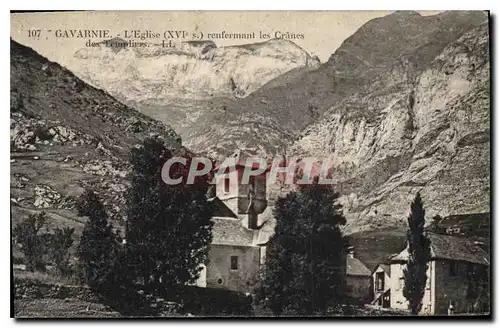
(194, 70)
(422, 126)
(402, 105)
(382, 54)
(190, 85)
(67, 136)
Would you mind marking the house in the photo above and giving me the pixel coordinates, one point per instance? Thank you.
(358, 279)
(457, 277)
(381, 276)
(239, 235)
(475, 226)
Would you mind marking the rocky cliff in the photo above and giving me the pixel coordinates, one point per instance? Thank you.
(422, 126)
(402, 106)
(67, 136)
(385, 53)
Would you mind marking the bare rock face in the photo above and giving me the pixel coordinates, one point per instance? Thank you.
(427, 133)
(46, 197)
(195, 70)
(380, 60)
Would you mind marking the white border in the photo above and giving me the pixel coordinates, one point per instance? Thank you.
(204, 5)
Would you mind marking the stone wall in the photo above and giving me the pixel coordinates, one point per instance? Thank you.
(359, 288)
(219, 273)
(35, 290)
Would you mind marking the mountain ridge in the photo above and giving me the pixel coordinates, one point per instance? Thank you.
(228, 71)
(67, 136)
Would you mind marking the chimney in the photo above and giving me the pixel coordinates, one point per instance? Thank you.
(350, 252)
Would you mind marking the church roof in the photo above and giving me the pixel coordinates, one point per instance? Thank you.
(446, 247)
(229, 231)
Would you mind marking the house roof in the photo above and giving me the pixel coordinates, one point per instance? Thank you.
(385, 267)
(230, 231)
(451, 248)
(355, 267)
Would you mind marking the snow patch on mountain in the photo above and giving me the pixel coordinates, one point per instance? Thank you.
(195, 70)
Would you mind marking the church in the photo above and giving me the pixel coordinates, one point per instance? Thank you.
(239, 233)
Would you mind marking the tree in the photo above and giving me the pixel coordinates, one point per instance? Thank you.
(97, 248)
(168, 226)
(27, 234)
(415, 273)
(58, 244)
(305, 263)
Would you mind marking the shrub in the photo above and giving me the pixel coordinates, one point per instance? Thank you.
(168, 226)
(97, 248)
(58, 246)
(27, 234)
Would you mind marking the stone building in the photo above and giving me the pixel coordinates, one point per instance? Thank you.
(358, 279)
(242, 225)
(239, 233)
(455, 271)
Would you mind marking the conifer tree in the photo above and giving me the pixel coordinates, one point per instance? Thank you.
(415, 273)
(27, 234)
(168, 226)
(97, 248)
(305, 264)
(58, 244)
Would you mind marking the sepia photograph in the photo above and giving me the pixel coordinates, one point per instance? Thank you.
(250, 164)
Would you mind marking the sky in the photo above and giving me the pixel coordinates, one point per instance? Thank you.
(324, 31)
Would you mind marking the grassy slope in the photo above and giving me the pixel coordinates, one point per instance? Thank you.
(61, 308)
(99, 132)
(373, 247)
(44, 94)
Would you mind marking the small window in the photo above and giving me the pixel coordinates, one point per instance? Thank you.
(454, 269)
(380, 281)
(401, 283)
(226, 185)
(234, 262)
